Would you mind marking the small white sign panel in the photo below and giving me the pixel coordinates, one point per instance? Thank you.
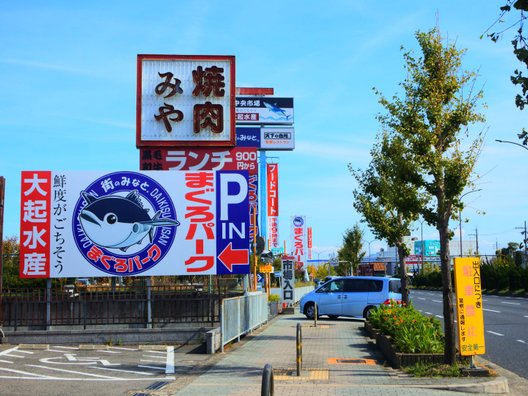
(277, 138)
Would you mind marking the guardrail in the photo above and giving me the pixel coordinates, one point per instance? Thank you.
(241, 315)
(150, 307)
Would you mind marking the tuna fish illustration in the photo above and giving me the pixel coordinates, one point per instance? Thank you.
(275, 109)
(118, 222)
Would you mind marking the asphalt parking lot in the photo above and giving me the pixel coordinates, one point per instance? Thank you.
(56, 369)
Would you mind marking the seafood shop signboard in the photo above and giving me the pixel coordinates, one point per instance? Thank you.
(133, 223)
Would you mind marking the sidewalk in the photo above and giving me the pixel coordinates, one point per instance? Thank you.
(337, 359)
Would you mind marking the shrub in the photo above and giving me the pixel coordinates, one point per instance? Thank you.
(273, 298)
(411, 332)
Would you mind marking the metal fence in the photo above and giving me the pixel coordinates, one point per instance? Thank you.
(240, 315)
(152, 306)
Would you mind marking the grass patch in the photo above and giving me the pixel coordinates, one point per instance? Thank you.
(433, 370)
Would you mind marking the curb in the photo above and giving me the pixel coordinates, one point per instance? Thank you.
(495, 386)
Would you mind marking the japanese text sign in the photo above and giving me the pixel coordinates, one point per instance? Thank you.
(277, 138)
(248, 137)
(199, 158)
(298, 238)
(185, 100)
(470, 313)
(77, 224)
(264, 110)
(288, 279)
(272, 179)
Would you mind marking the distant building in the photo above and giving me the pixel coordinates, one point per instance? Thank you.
(431, 256)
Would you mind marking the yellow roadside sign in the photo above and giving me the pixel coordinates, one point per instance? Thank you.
(469, 306)
(266, 268)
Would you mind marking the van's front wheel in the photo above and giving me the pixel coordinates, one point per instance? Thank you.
(309, 310)
(368, 311)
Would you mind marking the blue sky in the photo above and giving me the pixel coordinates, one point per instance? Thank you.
(68, 81)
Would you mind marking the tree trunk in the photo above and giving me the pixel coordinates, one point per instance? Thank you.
(404, 278)
(447, 291)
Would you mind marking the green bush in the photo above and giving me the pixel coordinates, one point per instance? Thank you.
(273, 298)
(411, 332)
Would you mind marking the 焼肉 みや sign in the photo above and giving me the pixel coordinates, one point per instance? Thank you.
(185, 100)
(134, 223)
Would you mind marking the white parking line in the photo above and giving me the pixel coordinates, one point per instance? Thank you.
(26, 352)
(8, 351)
(33, 375)
(510, 303)
(494, 333)
(522, 341)
(72, 372)
(439, 316)
(155, 357)
(65, 347)
(6, 361)
(436, 301)
(121, 371)
(169, 366)
(490, 310)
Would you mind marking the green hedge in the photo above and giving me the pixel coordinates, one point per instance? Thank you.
(494, 277)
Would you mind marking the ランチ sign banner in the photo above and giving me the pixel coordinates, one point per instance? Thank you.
(126, 223)
(199, 158)
(470, 313)
(185, 100)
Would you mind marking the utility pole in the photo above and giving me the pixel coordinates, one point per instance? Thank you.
(524, 241)
(476, 240)
(2, 195)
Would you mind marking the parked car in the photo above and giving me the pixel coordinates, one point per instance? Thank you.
(83, 283)
(352, 296)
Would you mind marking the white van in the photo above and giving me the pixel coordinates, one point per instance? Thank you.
(353, 296)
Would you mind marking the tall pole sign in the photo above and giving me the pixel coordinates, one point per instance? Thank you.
(2, 196)
(298, 236)
(273, 207)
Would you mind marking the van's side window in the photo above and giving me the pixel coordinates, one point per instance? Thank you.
(331, 287)
(363, 285)
(375, 286)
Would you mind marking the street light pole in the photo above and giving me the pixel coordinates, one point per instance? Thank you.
(369, 249)
(507, 141)
(460, 216)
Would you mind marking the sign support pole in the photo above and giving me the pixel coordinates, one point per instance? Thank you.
(2, 192)
(255, 251)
